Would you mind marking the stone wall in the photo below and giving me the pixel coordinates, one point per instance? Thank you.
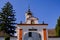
(53, 38)
(1, 38)
(11, 38)
(15, 38)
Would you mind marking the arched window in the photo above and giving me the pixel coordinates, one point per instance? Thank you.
(32, 21)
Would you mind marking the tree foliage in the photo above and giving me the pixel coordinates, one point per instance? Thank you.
(7, 19)
(58, 27)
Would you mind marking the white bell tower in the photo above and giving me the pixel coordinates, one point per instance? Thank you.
(28, 14)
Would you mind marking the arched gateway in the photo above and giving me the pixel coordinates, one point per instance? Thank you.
(32, 36)
(31, 29)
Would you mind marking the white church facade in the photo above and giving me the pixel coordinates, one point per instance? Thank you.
(31, 29)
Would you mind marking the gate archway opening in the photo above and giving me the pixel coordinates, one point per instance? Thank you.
(32, 36)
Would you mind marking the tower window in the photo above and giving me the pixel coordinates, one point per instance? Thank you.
(30, 34)
(32, 21)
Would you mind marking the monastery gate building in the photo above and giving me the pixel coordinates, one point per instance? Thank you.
(31, 29)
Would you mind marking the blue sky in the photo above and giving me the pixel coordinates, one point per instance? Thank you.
(46, 10)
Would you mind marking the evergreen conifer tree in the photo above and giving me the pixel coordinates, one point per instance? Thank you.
(58, 27)
(7, 20)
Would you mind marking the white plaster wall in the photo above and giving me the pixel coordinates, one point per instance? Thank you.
(28, 22)
(39, 29)
(17, 33)
(36, 21)
(47, 33)
(27, 16)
